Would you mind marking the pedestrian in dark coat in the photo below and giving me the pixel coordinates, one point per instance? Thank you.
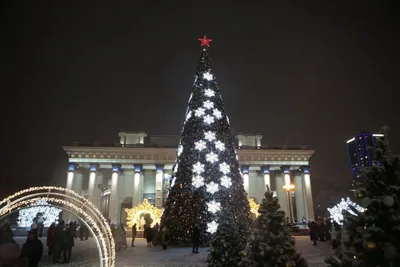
(313, 233)
(32, 249)
(196, 239)
(50, 238)
(164, 237)
(69, 241)
(59, 243)
(134, 233)
(149, 233)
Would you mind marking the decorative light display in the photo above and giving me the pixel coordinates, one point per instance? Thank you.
(133, 215)
(212, 187)
(336, 212)
(254, 207)
(188, 115)
(207, 160)
(204, 41)
(74, 203)
(209, 93)
(49, 214)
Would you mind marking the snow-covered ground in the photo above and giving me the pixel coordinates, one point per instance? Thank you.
(85, 254)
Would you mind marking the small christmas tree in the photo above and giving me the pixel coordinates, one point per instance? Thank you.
(372, 238)
(271, 243)
(226, 246)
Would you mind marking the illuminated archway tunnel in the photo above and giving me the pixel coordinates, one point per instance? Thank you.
(72, 202)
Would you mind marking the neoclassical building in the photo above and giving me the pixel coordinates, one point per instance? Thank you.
(120, 175)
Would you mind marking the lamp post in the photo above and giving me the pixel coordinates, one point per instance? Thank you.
(289, 188)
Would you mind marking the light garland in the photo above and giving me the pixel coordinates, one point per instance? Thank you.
(70, 201)
(336, 212)
(133, 214)
(50, 214)
(254, 207)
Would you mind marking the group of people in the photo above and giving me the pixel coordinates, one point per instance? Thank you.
(153, 235)
(323, 231)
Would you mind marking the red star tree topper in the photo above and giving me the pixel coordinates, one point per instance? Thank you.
(204, 41)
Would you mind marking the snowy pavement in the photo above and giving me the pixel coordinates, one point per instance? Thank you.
(85, 254)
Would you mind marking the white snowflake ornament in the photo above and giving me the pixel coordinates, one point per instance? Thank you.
(224, 168)
(212, 157)
(208, 104)
(226, 181)
(209, 93)
(219, 145)
(217, 114)
(208, 76)
(212, 187)
(200, 145)
(199, 112)
(212, 227)
(198, 168)
(209, 136)
(208, 119)
(214, 206)
(197, 181)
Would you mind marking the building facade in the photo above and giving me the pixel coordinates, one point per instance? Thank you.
(121, 175)
(361, 151)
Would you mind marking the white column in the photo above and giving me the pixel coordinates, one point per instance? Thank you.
(70, 185)
(280, 193)
(299, 196)
(92, 182)
(267, 178)
(308, 195)
(136, 198)
(245, 172)
(78, 182)
(114, 203)
(159, 184)
(97, 194)
(288, 197)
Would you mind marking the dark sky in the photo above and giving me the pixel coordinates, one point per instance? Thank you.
(310, 74)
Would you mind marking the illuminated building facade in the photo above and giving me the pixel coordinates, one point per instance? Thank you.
(121, 175)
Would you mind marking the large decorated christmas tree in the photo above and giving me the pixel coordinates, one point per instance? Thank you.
(206, 176)
(371, 237)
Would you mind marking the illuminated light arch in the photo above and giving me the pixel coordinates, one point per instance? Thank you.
(72, 202)
(133, 214)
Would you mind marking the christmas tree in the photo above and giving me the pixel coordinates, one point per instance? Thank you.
(225, 246)
(372, 237)
(271, 242)
(206, 177)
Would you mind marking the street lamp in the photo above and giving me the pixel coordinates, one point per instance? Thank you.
(289, 188)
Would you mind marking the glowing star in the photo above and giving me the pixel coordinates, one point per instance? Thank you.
(204, 41)
(212, 157)
(197, 181)
(209, 93)
(219, 145)
(208, 76)
(180, 149)
(214, 207)
(199, 112)
(198, 168)
(224, 168)
(226, 181)
(188, 115)
(217, 114)
(212, 227)
(208, 104)
(208, 119)
(209, 136)
(212, 187)
(200, 145)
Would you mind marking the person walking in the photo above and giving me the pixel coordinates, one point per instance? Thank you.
(32, 249)
(148, 233)
(134, 232)
(164, 237)
(314, 233)
(59, 243)
(50, 238)
(196, 239)
(69, 241)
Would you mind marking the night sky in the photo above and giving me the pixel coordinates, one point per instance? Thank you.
(310, 74)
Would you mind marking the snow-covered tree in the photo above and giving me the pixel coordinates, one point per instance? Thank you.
(225, 246)
(271, 243)
(372, 238)
(49, 213)
(206, 178)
